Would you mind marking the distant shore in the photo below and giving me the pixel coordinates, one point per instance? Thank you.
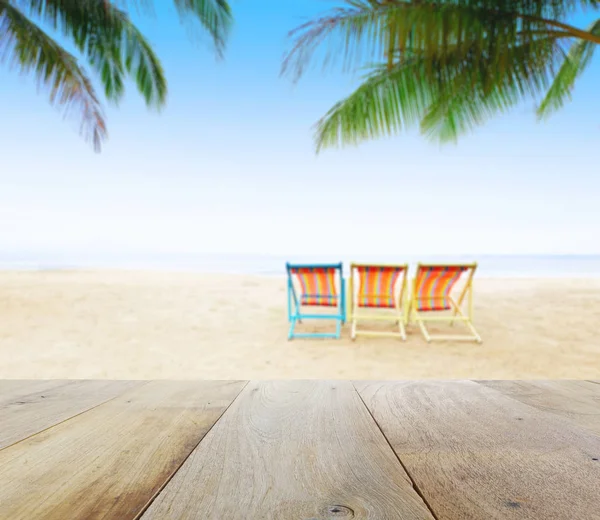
(489, 266)
(120, 324)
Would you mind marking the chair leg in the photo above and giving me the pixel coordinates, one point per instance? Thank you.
(424, 331)
(474, 332)
(338, 331)
(292, 326)
(455, 312)
(402, 330)
(453, 315)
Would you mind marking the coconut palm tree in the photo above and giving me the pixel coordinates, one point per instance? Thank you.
(446, 65)
(104, 36)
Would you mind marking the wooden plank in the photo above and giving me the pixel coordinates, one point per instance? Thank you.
(474, 453)
(578, 401)
(14, 388)
(10, 385)
(292, 449)
(28, 407)
(110, 461)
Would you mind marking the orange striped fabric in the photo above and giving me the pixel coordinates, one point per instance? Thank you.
(318, 286)
(434, 284)
(376, 285)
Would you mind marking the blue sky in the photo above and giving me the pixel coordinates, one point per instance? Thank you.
(229, 165)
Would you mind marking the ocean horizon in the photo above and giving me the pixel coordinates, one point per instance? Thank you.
(496, 266)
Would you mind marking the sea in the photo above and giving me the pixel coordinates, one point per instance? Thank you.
(497, 266)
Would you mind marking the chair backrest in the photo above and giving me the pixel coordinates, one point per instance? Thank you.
(318, 284)
(434, 283)
(377, 284)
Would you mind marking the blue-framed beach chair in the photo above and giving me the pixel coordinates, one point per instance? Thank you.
(316, 285)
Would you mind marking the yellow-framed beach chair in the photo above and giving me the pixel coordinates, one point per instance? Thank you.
(432, 296)
(381, 288)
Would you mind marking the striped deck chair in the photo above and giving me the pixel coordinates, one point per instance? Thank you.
(432, 295)
(318, 285)
(377, 293)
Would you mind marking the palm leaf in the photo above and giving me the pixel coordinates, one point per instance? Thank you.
(364, 30)
(447, 98)
(114, 47)
(214, 15)
(449, 64)
(102, 31)
(575, 62)
(478, 91)
(387, 102)
(31, 49)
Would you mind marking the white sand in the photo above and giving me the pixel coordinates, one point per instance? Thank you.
(125, 325)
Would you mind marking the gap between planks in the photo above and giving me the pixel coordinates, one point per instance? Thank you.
(412, 480)
(292, 449)
(159, 491)
(108, 463)
(64, 400)
(477, 453)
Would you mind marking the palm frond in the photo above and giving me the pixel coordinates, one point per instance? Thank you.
(31, 49)
(385, 103)
(113, 45)
(575, 62)
(364, 30)
(447, 98)
(478, 91)
(214, 15)
(140, 60)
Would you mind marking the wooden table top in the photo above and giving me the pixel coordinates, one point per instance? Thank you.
(302, 450)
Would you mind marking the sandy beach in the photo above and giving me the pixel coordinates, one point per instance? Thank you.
(139, 325)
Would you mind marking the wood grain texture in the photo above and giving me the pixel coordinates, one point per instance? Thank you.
(292, 450)
(110, 461)
(11, 387)
(29, 407)
(578, 401)
(477, 454)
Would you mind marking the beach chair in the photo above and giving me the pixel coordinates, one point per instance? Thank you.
(376, 292)
(318, 285)
(432, 298)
